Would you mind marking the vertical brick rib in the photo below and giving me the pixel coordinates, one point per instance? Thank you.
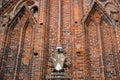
(19, 50)
(101, 51)
(59, 21)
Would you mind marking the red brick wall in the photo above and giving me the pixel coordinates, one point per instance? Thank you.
(97, 59)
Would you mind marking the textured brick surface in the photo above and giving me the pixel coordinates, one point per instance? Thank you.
(89, 36)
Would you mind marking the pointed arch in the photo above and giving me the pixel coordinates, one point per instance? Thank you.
(12, 50)
(26, 54)
(106, 50)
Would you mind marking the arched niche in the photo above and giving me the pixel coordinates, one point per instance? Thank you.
(12, 50)
(108, 48)
(92, 49)
(100, 44)
(26, 54)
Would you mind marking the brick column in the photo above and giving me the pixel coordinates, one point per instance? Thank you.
(79, 48)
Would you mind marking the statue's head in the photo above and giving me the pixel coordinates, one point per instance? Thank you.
(59, 48)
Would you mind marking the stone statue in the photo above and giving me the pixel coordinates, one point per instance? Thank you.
(58, 59)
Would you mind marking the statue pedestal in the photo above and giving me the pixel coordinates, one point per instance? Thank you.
(58, 75)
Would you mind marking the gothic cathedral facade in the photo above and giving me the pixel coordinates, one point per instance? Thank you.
(59, 39)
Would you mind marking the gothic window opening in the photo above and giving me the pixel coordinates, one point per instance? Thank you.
(34, 9)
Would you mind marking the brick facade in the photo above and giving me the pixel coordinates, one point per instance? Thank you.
(87, 29)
